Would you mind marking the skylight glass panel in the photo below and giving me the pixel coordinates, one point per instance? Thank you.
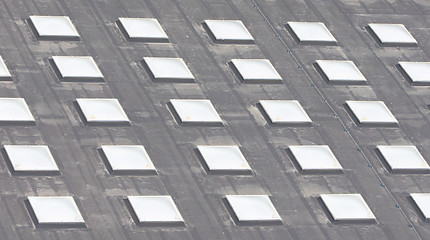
(422, 200)
(145, 29)
(31, 158)
(15, 110)
(224, 159)
(372, 112)
(395, 34)
(128, 158)
(256, 71)
(54, 27)
(253, 208)
(102, 110)
(4, 72)
(155, 209)
(403, 158)
(72, 68)
(347, 207)
(285, 112)
(417, 72)
(341, 71)
(229, 31)
(55, 210)
(196, 111)
(315, 158)
(311, 32)
(168, 69)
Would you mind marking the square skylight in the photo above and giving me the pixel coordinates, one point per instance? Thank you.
(15, 110)
(253, 208)
(196, 111)
(168, 69)
(372, 113)
(102, 110)
(155, 209)
(341, 71)
(56, 210)
(422, 200)
(145, 29)
(311, 32)
(31, 158)
(347, 207)
(256, 71)
(392, 34)
(285, 112)
(54, 27)
(224, 158)
(229, 31)
(128, 158)
(417, 72)
(315, 158)
(4, 72)
(72, 68)
(403, 158)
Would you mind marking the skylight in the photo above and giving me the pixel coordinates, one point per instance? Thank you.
(229, 31)
(256, 71)
(311, 32)
(54, 27)
(285, 112)
(145, 29)
(224, 159)
(102, 110)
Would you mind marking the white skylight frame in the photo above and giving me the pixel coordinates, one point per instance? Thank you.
(341, 72)
(143, 29)
(31, 159)
(285, 112)
(372, 113)
(4, 71)
(196, 111)
(229, 31)
(155, 210)
(168, 69)
(102, 111)
(55, 210)
(392, 34)
(15, 111)
(422, 201)
(128, 159)
(401, 158)
(418, 73)
(253, 208)
(256, 71)
(312, 158)
(224, 159)
(312, 32)
(54, 27)
(347, 207)
(77, 68)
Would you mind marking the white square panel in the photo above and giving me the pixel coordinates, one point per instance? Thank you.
(311, 32)
(168, 69)
(392, 33)
(417, 72)
(422, 200)
(253, 208)
(315, 158)
(196, 111)
(347, 207)
(54, 27)
(102, 110)
(372, 112)
(285, 112)
(143, 29)
(224, 158)
(15, 110)
(229, 30)
(56, 210)
(31, 158)
(341, 71)
(125, 158)
(72, 68)
(155, 209)
(256, 70)
(4, 72)
(406, 158)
